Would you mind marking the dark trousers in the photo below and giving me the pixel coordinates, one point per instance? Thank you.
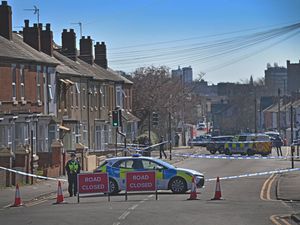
(162, 151)
(72, 179)
(279, 152)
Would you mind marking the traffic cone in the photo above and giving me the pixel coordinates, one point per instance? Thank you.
(218, 194)
(18, 201)
(193, 194)
(60, 196)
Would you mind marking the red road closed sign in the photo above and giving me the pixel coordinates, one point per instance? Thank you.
(140, 181)
(92, 183)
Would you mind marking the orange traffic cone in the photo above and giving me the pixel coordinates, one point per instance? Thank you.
(193, 194)
(18, 201)
(218, 194)
(60, 196)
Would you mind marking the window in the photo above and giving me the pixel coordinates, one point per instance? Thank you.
(150, 165)
(3, 136)
(119, 96)
(102, 97)
(77, 94)
(84, 135)
(14, 81)
(38, 83)
(50, 94)
(84, 97)
(22, 82)
(42, 138)
(77, 133)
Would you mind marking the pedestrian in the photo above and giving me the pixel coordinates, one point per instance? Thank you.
(162, 148)
(278, 144)
(72, 168)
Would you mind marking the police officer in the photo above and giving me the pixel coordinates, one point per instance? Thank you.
(162, 148)
(72, 168)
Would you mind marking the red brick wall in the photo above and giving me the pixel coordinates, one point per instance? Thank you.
(30, 89)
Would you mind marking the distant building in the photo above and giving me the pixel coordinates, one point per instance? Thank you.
(276, 78)
(293, 77)
(185, 74)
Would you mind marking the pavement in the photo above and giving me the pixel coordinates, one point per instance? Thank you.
(287, 188)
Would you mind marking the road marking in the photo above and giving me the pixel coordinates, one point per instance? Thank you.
(124, 215)
(118, 223)
(274, 220)
(265, 193)
(285, 222)
(264, 188)
(280, 219)
(133, 207)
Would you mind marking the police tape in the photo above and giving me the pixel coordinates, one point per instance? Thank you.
(32, 175)
(254, 174)
(203, 156)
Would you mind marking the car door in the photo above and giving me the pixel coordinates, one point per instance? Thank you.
(163, 174)
(123, 166)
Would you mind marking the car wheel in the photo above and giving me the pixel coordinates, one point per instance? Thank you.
(250, 152)
(113, 186)
(212, 152)
(178, 185)
(227, 152)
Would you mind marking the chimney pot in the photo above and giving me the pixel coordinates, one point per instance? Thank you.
(35, 25)
(102, 43)
(88, 37)
(64, 30)
(48, 25)
(72, 30)
(5, 21)
(40, 26)
(26, 23)
(97, 43)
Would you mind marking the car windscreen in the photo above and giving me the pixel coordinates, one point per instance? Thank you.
(165, 164)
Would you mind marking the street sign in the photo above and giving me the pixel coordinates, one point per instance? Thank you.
(89, 183)
(140, 181)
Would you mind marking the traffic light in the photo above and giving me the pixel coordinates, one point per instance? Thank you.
(115, 118)
(154, 118)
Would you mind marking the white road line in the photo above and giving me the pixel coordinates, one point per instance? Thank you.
(124, 215)
(133, 207)
(118, 223)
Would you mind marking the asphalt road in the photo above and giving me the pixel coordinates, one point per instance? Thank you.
(246, 201)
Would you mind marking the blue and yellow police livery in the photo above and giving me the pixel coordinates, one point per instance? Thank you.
(168, 177)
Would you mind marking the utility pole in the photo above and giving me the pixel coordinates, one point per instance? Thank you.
(36, 11)
(292, 135)
(278, 117)
(80, 27)
(255, 112)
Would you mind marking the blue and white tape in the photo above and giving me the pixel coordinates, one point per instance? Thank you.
(203, 156)
(254, 174)
(32, 175)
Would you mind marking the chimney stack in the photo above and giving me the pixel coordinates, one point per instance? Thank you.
(100, 55)
(86, 50)
(47, 40)
(5, 21)
(32, 35)
(68, 39)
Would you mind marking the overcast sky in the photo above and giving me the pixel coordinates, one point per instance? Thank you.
(209, 35)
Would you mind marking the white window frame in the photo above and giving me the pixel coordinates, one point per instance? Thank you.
(22, 82)
(14, 80)
(50, 93)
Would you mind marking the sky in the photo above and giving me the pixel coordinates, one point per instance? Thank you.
(226, 40)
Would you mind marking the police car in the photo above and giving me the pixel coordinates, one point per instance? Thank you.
(168, 177)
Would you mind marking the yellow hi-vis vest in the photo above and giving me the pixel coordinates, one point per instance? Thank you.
(73, 166)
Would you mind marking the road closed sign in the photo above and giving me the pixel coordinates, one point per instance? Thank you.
(92, 183)
(140, 181)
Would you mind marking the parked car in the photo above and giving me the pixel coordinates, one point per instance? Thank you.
(169, 177)
(201, 140)
(217, 143)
